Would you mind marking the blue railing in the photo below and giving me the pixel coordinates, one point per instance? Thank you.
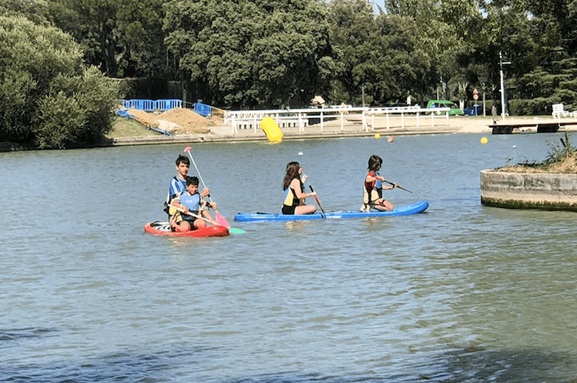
(162, 105)
(152, 105)
(202, 109)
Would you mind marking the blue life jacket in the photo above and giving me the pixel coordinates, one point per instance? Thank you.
(192, 202)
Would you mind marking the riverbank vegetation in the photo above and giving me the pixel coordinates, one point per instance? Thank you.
(261, 54)
(48, 97)
(560, 159)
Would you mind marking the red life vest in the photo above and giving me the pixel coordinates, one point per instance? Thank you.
(370, 185)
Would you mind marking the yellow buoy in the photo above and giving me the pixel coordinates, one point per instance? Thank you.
(271, 129)
(377, 136)
(484, 140)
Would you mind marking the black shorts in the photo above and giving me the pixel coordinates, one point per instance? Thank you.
(185, 217)
(288, 210)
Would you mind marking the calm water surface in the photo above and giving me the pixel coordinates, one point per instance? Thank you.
(462, 293)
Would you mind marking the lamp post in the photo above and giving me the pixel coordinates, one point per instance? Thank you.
(503, 105)
(363, 90)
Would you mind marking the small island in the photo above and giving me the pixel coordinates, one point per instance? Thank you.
(548, 185)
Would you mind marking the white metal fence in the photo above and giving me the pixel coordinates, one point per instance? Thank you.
(339, 116)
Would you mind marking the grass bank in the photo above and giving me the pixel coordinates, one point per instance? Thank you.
(124, 127)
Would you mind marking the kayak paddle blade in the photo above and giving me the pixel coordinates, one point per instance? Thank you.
(221, 220)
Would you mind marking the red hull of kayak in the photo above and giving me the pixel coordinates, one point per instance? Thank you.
(162, 228)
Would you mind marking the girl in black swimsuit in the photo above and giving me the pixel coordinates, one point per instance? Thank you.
(294, 198)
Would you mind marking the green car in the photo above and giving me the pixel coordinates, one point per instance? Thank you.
(454, 111)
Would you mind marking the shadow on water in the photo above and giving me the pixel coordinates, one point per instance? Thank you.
(471, 364)
(22, 333)
(155, 366)
(518, 365)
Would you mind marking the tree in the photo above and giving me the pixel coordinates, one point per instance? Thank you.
(124, 39)
(403, 65)
(539, 40)
(34, 10)
(47, 97)
(352, 28)
(251, 53)
(438, 38)
(379, 55)
(76, 110)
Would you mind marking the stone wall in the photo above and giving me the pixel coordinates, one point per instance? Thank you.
(549, 191)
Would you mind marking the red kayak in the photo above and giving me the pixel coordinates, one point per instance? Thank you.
(163, 228)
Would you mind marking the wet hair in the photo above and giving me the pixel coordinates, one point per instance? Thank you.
(191, 180)
(292, 172)
(375, 162)
(182, 159)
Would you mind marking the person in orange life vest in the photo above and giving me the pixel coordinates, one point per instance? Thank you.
(373, 190)
(294, 198)
(191, 201)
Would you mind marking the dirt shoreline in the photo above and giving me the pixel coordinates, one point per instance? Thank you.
(350, 127)
(332, 129)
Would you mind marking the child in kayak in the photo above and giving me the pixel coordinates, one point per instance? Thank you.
(294, 198)
(191, 208)
(178, 184)
(373, 190)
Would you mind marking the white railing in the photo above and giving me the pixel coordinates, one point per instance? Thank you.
(368, 118)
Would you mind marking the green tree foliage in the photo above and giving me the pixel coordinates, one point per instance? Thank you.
(352, 28)
(123, 38)
(251, 53)
(30, 56)
(33, 10)
(57, 122)
(76, 110)
(379, 55)
(42, 78)
(257, 53)
(438, 24)
(403, 66)
(537, 38)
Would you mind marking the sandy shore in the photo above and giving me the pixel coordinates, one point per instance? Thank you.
(350, 127)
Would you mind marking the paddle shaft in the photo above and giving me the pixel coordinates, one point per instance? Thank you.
(397, 186)
(198, 172)
(191, 214)
(196, 168)
(219, 217)
(317, 199)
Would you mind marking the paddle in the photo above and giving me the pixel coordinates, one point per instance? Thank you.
(318, 201)
(232, 230)
(397, 186)
(219, 218)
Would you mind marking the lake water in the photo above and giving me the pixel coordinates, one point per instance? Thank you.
(461, 293)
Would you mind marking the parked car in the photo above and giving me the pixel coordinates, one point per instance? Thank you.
(454, 108)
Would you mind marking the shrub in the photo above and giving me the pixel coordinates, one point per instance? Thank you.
(59, 117)
(47, 96)
(533, 107)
